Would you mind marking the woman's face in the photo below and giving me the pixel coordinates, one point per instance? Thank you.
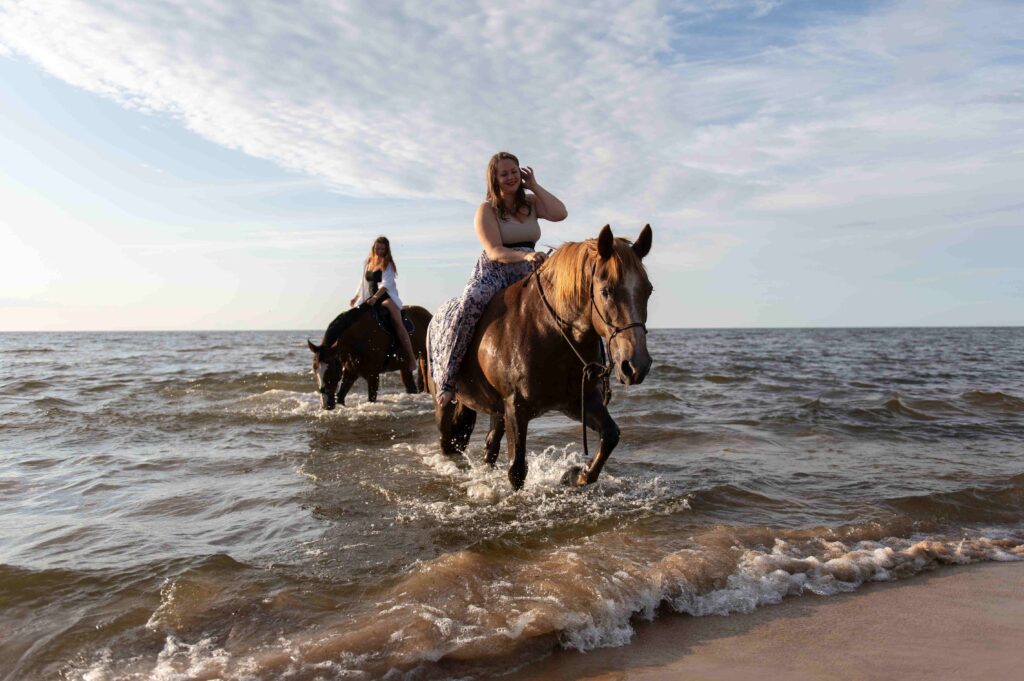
(380, 249)
(508, 177)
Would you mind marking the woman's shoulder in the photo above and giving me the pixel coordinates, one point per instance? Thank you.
(485, 209)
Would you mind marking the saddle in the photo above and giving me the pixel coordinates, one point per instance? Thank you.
(385, 322)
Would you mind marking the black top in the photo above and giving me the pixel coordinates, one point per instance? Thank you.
(374, 277)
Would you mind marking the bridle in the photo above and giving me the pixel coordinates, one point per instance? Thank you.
(323, 381)
(616, 330)
(591, 370)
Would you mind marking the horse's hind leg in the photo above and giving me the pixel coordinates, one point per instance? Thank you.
(494, 435)
(409, 381)
(600, 420)
(455, 424)
(465, 421)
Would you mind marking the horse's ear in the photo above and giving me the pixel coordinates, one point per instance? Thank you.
(642, 245)
(313, 346)
(605, 243)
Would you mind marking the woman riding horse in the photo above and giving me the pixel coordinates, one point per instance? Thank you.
(507, 227)
(378, 279)
(538, 348)
(356, 346)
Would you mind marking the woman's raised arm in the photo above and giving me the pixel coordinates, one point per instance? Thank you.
(547, 204)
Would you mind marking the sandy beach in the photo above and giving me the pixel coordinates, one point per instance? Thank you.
(954, 623)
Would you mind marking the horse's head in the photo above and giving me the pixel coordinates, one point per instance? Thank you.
(327, 369)
(620, 290)
(327, 355)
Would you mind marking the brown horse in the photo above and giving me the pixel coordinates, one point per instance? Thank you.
(538, 348)
(355, 346)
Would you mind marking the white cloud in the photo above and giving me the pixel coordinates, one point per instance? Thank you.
(632, 112)
(381, 98)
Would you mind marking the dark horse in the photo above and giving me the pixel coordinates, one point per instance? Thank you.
(355, 346)
(539, 337)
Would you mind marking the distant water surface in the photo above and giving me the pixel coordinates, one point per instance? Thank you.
(176, 505)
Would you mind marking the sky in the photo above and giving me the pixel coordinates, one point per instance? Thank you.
(205, 164)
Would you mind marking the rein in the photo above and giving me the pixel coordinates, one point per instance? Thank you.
(591, 370)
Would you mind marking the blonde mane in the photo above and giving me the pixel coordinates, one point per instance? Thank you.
(570, 269)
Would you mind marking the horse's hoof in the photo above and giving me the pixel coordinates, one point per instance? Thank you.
(571, 477)
(517, 477)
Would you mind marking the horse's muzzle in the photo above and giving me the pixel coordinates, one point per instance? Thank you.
(327, 401)
(633, 373)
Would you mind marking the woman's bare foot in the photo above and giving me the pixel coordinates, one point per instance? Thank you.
(445, 396)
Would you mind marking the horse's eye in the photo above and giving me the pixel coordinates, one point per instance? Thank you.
(605, 292)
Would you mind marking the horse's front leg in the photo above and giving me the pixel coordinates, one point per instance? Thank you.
(348, 377)
(600, 420)
(372, 386)
(494, 435)
(516, 421)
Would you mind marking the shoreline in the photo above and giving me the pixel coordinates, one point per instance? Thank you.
(955, 622)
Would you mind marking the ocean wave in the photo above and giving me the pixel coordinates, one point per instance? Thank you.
(470, 611)
(994, 400)
(1000, 502)
(720, 378)
(242, 383)
(25, 386)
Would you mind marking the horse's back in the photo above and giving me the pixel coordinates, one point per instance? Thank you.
(496, 354)
(420, 318)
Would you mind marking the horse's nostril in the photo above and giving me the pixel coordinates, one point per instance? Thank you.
(627, 369)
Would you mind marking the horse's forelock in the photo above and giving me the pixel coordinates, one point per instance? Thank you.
(573, 263)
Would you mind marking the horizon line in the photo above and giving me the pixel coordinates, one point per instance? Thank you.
(653, 328)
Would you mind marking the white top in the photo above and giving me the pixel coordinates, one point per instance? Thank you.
(387, 280)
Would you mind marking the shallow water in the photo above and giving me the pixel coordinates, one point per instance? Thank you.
(176, 505)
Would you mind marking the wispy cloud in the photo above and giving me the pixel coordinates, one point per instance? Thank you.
(604, 99)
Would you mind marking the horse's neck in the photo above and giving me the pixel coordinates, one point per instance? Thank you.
(358, 328)
(573, 319)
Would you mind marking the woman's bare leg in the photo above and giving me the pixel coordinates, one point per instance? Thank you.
(403, 335)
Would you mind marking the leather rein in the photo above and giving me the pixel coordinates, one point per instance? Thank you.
(591, 370)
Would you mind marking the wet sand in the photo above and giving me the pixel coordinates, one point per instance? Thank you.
(960, 622)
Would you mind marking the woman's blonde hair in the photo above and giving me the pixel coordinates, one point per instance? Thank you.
(375, 262)
(494, 190)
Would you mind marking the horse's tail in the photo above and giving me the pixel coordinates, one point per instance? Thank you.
(421, 380)
(425, 366)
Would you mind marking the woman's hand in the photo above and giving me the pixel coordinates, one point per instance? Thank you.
(529, 178)
(352, 303)
(535, 258)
